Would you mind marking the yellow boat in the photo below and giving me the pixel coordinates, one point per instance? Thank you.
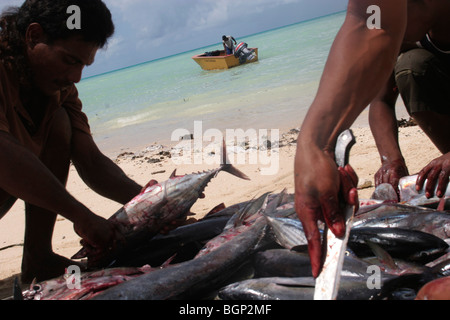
(217, 60)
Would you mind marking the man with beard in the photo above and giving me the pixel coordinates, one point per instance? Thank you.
(43, 128)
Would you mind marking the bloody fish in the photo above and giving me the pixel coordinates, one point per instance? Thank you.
(90, 284)
(155, 207)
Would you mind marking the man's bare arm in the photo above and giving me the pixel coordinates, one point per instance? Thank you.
(99, 172)
(360, 62)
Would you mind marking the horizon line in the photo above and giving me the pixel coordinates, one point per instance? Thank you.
(184, 52)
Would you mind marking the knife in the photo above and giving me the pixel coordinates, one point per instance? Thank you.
(327, 283)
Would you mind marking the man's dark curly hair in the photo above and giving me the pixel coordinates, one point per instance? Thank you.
(96, 26)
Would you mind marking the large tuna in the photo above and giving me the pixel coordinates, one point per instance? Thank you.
(155, 207)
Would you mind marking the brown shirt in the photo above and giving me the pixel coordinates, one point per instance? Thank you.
(15, 119)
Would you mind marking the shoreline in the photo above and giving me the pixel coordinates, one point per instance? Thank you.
(147, 163)
(134, 138)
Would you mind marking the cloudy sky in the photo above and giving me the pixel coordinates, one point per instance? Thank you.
(151, 29)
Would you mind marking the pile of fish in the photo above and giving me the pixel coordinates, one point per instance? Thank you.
(257, 250)
(155, 207)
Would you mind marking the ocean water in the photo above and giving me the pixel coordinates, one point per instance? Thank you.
(140, 105)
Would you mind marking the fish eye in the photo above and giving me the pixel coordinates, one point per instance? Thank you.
(37, 288)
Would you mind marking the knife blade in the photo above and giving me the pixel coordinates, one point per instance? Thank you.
(327, 283)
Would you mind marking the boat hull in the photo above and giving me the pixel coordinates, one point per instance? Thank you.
(221, 61)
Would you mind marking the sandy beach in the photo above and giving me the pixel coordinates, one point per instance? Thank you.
(153, 163)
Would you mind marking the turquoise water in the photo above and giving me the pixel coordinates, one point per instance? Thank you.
(143, 104)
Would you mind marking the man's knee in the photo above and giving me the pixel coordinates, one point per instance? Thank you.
(423, 81)
(414, 62)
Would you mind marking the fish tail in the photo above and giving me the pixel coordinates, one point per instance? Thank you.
(253, 207)
(228, 167)
(235, 172)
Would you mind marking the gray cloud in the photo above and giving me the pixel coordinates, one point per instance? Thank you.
(151, 29)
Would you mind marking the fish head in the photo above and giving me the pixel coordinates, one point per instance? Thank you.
(164, 201)
(447, 230)
(45, 290)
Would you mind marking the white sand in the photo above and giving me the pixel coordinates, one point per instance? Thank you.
(416, 147)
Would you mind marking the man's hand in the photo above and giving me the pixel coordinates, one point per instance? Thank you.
(437, 173)
(320, 190)
(98, 233)
(391, 172)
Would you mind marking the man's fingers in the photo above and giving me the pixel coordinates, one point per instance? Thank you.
(443, 179)
(314, 238)
(353, 198)
(432, 179)
(352, 174)
(443, 183)
(333, 215)
(348, 181)
(309, 212)
(423, 174)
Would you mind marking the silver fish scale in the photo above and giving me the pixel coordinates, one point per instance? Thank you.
(429, 221)
(156, 206)
(288, 232)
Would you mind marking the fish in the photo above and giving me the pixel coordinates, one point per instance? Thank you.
(442, 269)
(385, 192)
(238, 224)
(155, 207)
(411, 245)
(391, 265)
(269, 289)
(187, 279)
(282, 274)
(404, 287)
(184, 242)
(281, 262)
(396, 215)
(201, 275)
(91, 284)
(287, 232)
(267, 203)
(409, 194)
(441, 265)
(353, 287)
(375, 210)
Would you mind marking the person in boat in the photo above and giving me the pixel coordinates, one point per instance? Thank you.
(229, 44)
(361, 63)
(43, 128)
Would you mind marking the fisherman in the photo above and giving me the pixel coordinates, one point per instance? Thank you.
(361, 62)
(422, 78)
(228, 44)
(43, 128)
